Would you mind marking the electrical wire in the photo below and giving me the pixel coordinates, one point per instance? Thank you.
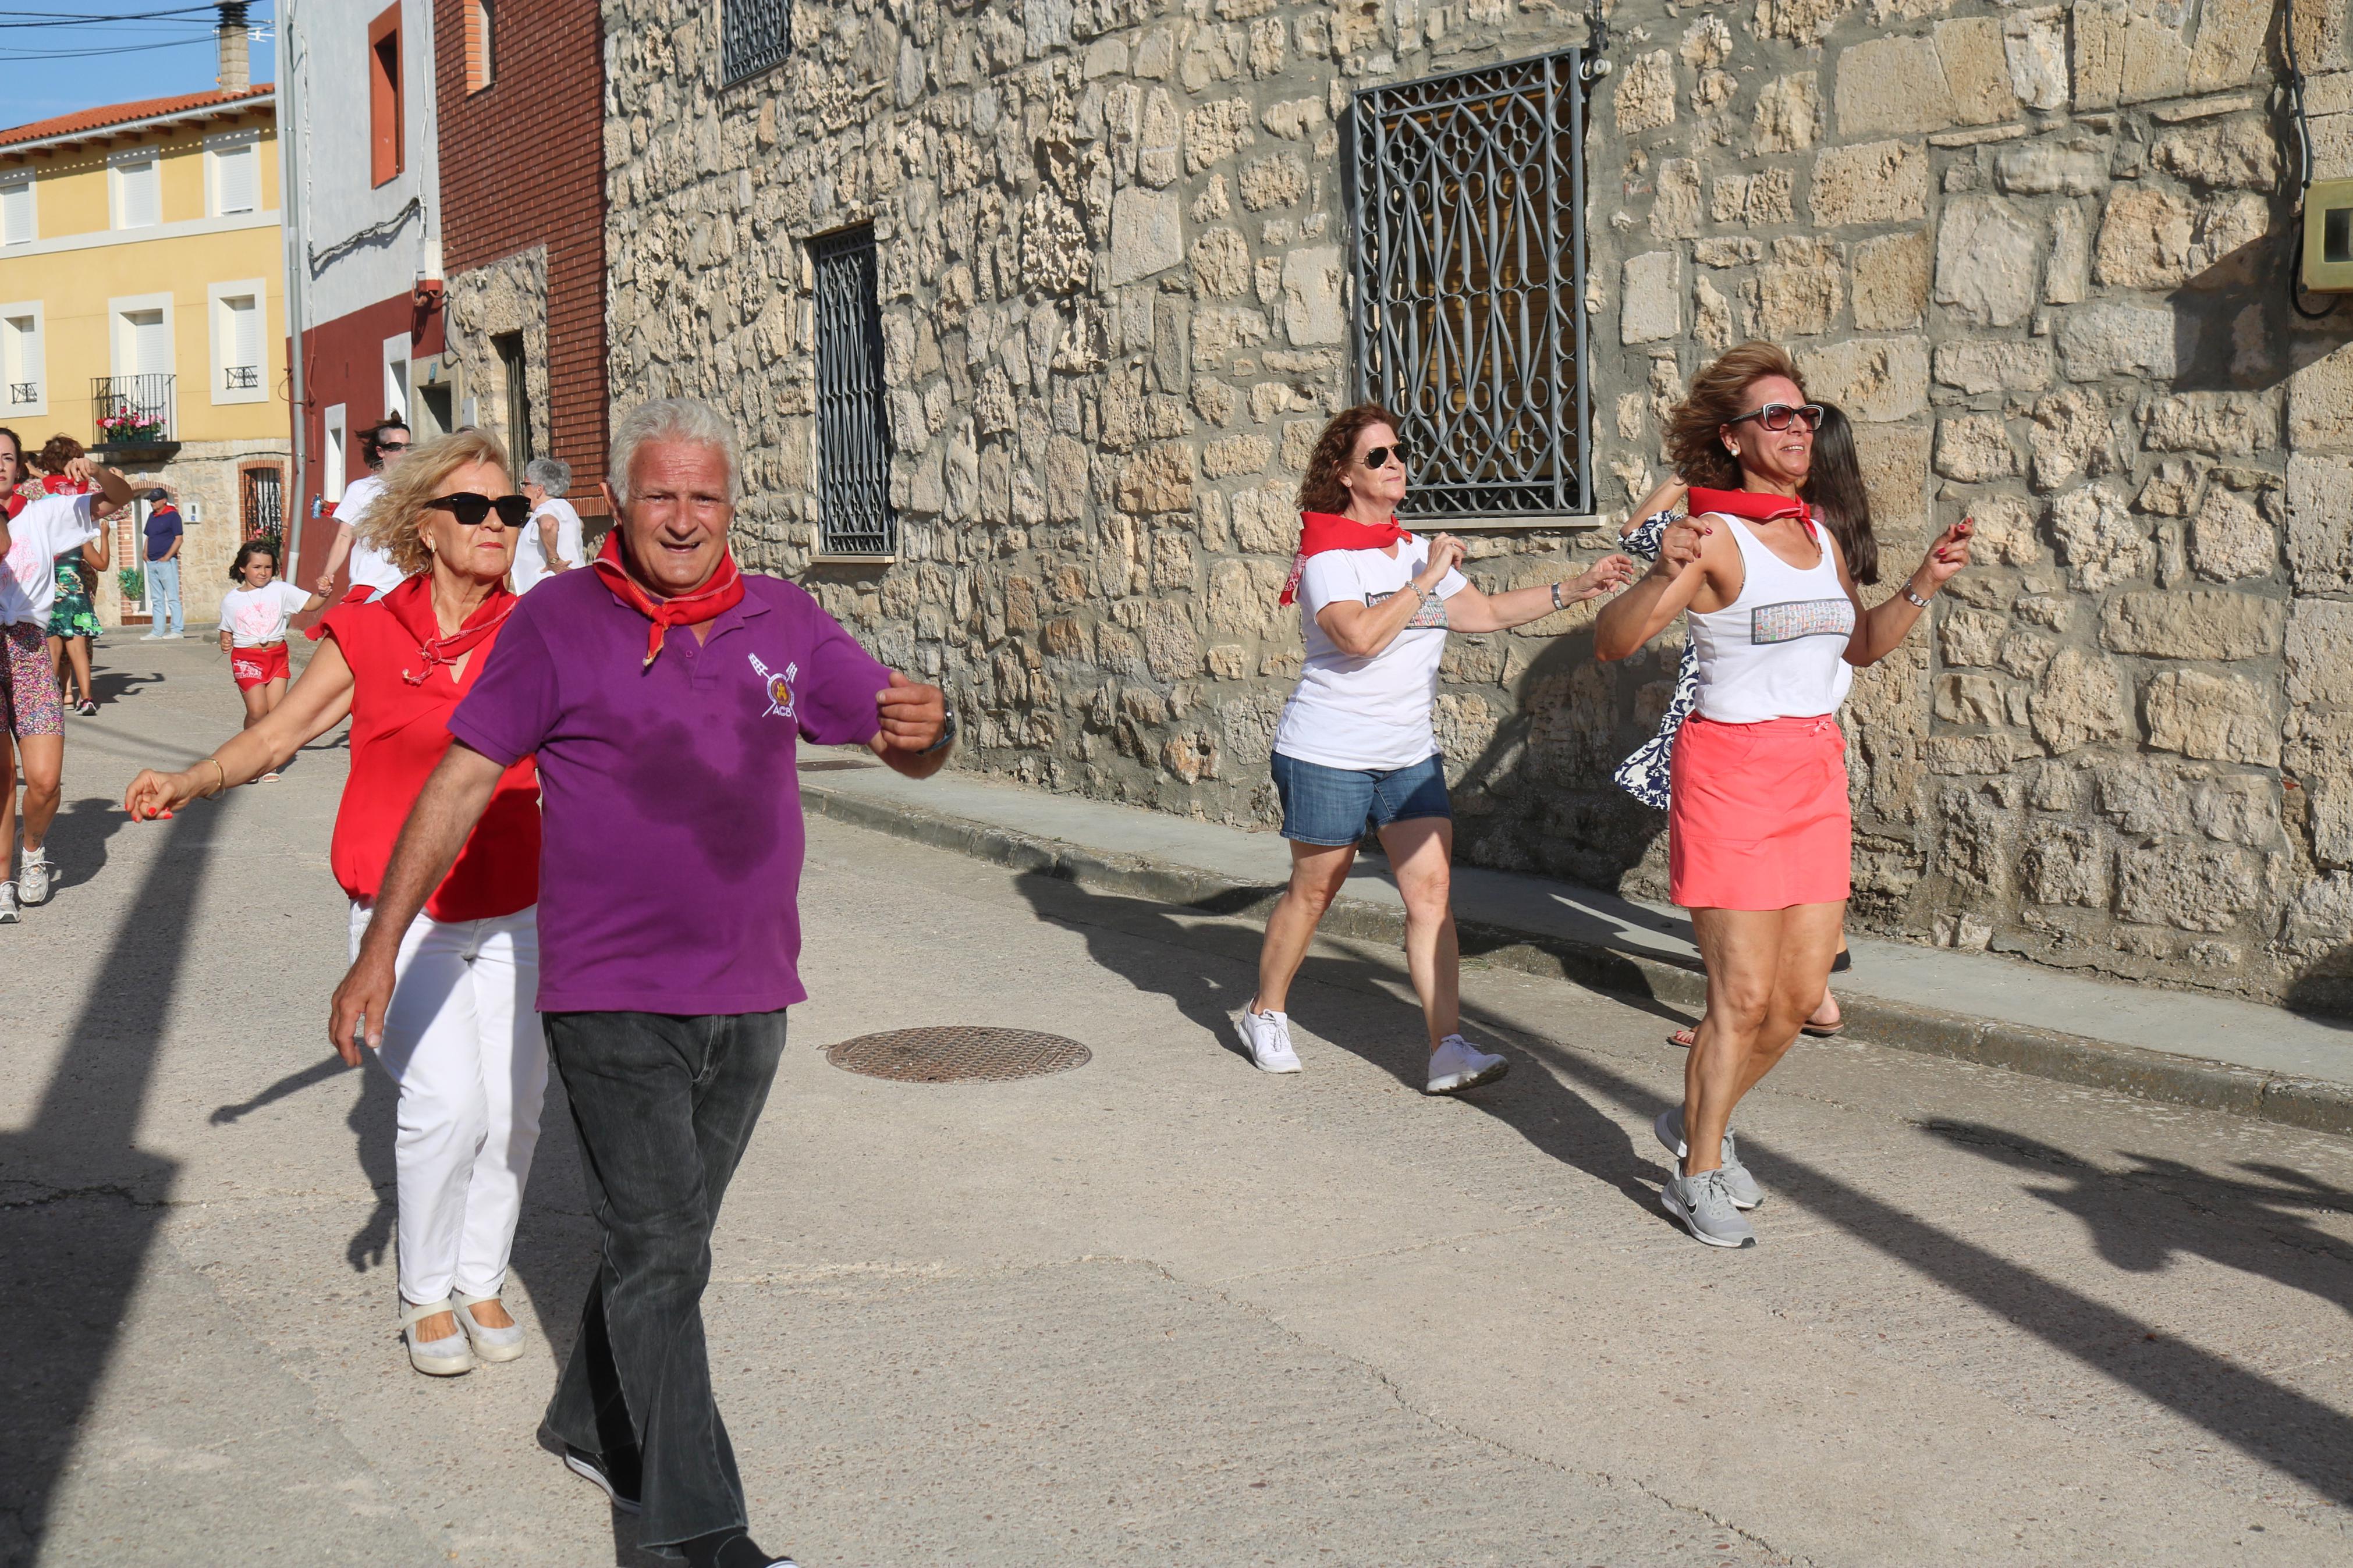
(2304, 168)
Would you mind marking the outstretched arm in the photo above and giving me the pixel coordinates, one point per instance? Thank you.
(1878, 631)
(1666, 591)
(336, 551)
(113, 489)
(315, 703)
(1472, 611)
(452, 801)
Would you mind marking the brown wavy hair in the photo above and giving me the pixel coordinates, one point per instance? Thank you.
(1321, 489)
(1695, 440)
(57, 452)
(398, 511)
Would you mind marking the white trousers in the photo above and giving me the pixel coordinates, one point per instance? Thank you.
(462, 1041)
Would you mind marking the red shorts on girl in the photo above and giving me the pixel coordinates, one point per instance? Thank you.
(1757, 815)
(255, 667)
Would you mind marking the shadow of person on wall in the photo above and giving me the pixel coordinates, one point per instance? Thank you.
(1206, 969)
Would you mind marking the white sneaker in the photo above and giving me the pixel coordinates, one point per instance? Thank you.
(1458, 1065)
(8, 903)
(34, 875)
(1267, 1036)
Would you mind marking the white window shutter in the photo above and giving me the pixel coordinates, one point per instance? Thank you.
(16, 212)
(237, 175)
(244, 331)
(141, 198)
(151, 343)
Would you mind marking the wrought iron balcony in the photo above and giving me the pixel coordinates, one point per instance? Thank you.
(23, 393)
(132, 410)
(241, 377)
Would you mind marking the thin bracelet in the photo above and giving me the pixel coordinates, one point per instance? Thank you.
(223, 775)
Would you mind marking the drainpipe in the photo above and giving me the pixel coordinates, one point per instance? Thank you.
(290, 207)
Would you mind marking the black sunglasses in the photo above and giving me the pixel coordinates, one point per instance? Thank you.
(1778, 415)
(1378, 457)
(392, 446)
(474, 511)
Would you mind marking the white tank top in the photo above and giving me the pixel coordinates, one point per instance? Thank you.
(1778, 651)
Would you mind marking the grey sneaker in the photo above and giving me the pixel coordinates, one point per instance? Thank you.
(34, 875)
(1704, 1202)
(8, 903)
(1669, 1129)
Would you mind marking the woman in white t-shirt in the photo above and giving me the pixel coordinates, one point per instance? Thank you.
(253, 617)
(550, 541)
(374, 574)
(1355, 748)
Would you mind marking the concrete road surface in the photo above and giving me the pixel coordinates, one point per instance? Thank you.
(1160, 1309)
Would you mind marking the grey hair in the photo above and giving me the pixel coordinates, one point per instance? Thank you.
(688, 419)
(552, 475)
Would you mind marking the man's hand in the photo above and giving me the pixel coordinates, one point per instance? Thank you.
(359, 1007)
(913, 717)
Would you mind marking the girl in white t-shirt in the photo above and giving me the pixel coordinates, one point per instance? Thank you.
(253, 617)
(1355, 749)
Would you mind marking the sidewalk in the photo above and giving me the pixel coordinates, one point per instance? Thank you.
(2175, 1045)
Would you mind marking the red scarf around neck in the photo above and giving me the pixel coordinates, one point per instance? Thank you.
(723, 593)
(1757, 506)
(1322, 531)
(411, 605)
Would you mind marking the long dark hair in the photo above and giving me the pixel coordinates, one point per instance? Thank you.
(247, 551)
(1834, 485)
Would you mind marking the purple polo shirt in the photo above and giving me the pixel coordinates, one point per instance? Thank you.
(671, 837)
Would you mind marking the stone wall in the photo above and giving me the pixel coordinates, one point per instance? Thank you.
(2039, 254)
(205, 476)
(509, 295)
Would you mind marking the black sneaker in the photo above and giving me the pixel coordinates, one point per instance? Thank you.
(617, 1476)
(730, 1549)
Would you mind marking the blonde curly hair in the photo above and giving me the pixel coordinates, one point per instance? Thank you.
(392, 524)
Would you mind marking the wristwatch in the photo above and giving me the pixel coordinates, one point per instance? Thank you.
(948, 734)
(1555, 596)
(1915, 597)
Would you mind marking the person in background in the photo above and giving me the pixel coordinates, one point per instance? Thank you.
(73, 619)
(32, 719)
(1355, 751)
(253, 617)
(551, 542)
(164, 537)
(373, 572)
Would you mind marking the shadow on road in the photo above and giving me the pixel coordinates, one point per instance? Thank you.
(81, 1198)
(1209, 973)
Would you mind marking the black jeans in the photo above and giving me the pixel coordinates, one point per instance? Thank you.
(664, 1106)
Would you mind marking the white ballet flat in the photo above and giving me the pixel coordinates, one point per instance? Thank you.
(444, 1357)
(490, 1344)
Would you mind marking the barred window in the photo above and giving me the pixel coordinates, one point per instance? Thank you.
(853, 434)
(752, 36)
(1467, 194)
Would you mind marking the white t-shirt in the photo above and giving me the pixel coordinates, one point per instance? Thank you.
(531, 561)
(1367, 714)
(256, 617)
(38, 535)
(371, 567)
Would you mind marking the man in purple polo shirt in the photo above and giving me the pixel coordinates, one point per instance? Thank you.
(663, 693)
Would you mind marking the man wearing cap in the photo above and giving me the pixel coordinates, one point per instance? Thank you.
(664, 694)
(165, 536)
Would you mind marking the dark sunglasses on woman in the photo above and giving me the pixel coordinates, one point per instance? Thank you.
(474, 511)
(1378, 457)
(1778, 415)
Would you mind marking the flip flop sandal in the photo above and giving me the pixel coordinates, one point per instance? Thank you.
(1823, 1031)
(1686, 1036)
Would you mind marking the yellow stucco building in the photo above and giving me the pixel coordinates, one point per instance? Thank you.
(143, 313)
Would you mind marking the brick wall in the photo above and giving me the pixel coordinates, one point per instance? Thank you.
(523, 167)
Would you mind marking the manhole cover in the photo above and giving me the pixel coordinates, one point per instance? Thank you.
(958, 1053)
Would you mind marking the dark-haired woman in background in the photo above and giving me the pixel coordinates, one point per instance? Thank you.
(1355, 749)
(1843, 505)
(1760, 837)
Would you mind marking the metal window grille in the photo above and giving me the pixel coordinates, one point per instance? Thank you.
(1468, 198)
(264, 503)
(23, 393)
(853, 436)
(132, 407)
(241, 377)
(752, 36)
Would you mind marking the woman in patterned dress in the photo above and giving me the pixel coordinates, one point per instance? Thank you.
(1835, 487)
(73, 620)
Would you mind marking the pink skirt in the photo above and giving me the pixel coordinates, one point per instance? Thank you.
(1757, 815)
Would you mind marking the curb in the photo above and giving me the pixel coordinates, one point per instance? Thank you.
(2312, 1104)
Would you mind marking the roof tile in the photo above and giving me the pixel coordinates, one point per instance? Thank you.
(99, 118)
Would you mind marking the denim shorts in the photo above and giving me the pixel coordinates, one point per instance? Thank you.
(1335, 805)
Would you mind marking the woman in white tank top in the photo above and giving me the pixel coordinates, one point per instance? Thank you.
(1760, 837)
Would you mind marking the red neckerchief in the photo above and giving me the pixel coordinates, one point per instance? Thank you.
(723, 593)
(1322, 531)
(411, 605)
(1757, 506)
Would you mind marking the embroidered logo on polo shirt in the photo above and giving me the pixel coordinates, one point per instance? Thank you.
(778, 688)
